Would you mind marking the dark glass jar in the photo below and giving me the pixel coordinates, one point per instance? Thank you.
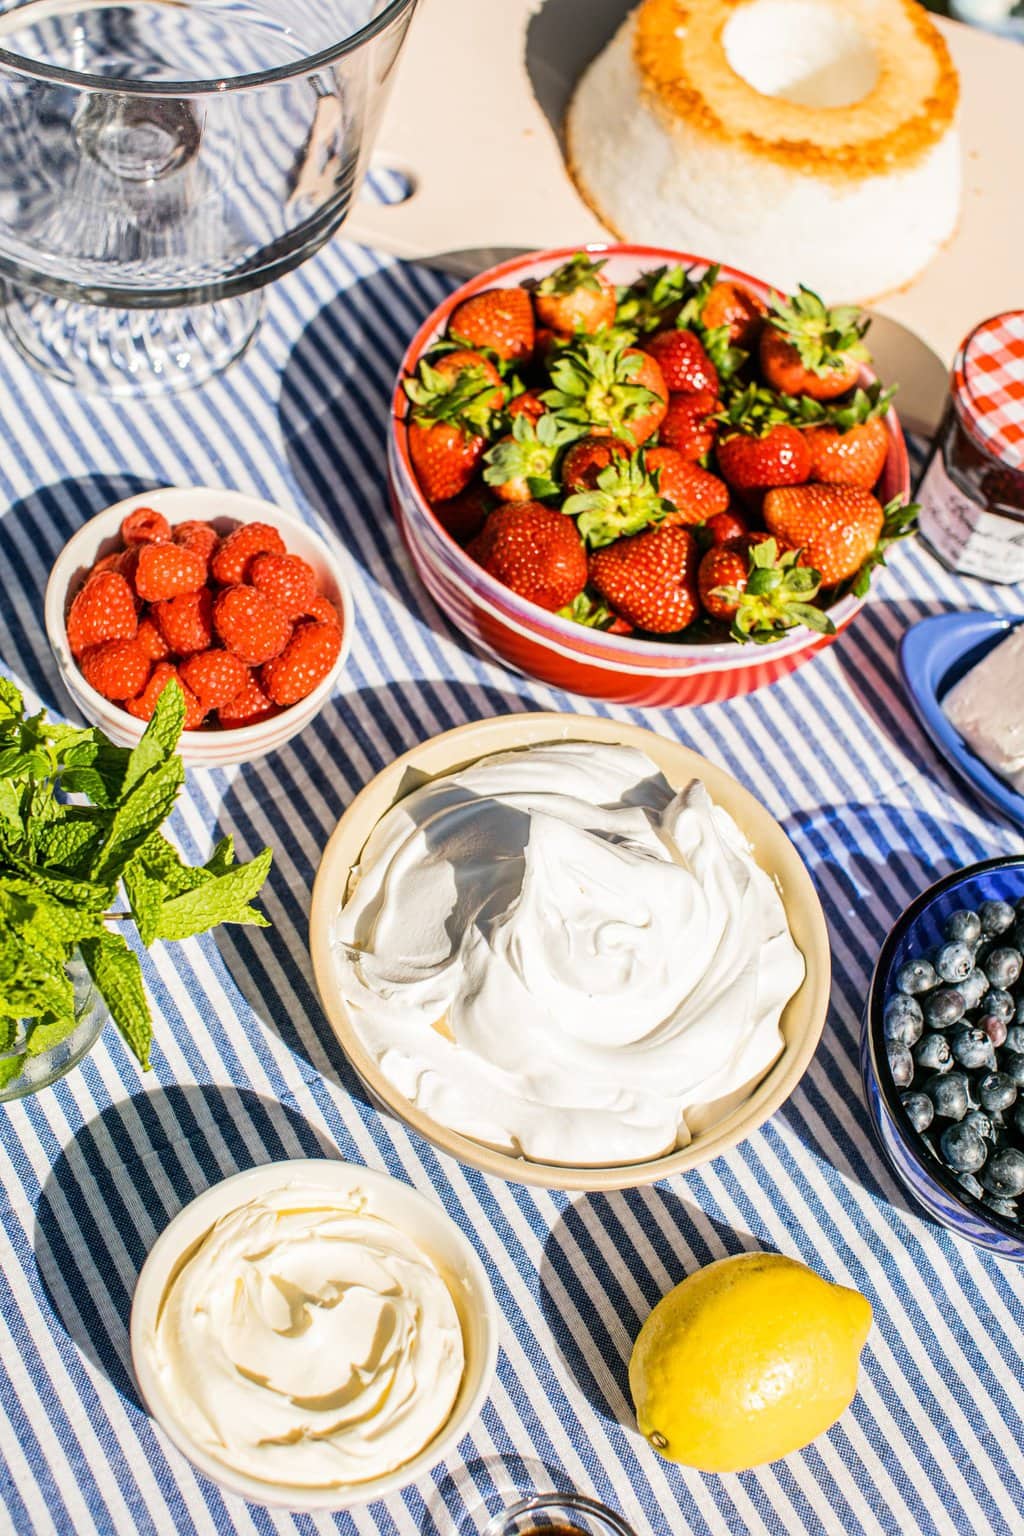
(972, 493)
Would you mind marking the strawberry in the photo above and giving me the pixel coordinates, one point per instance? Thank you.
(248, 707)
(104, 609)
(650, 580)
(444, 457)
(606, 386)
(215, 677)
(450, 366)
(500, 319)
(695, 493)
(725, 526)
(287, 579)
(164, 571)
(163, 673)
(689, 425)
(807, 349)
(535, 551)
(684, 364)
(198, 536)
(575, 297)
(324, 611)
(752, 462)
(735, 308)
(856, 457)
(521, 467)
(625, 500)
(152, 641)
(529, 403)
(230, 562)
(762, 591)
(835, 527)
(585, 460)
(119, 669)
(453, 407)
(144, 526)
(251, 624)
(303, 664)
(463, 516)
(186, 623)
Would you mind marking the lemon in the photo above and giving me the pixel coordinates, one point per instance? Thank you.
(748, 1359)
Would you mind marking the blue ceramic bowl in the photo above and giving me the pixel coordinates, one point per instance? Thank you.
(927, 1180)
(935, 654)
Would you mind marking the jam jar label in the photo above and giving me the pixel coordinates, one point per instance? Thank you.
(966, 536)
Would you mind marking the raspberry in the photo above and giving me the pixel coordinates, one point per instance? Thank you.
(250, 706)
(251, 624)
(167, 570)
(199, 537)
(119, 669)
(230, 564)
(110, 562)
(144, 526)
(152, 641)
(143, 707)
(186, 623)
(305, 661)
(287, 579)
(104, 609)
(215, 677)
(322, 609)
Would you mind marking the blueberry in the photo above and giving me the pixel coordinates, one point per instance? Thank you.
(973, 987)
(901, 1065)
(917, 975)
(1004, 1176)
(932, 1054)
(996, 916)
(968, 1182)
(996, 1091)
(994, 1027)
(1012, 1065)
(971, 1047)
(943, 1007)
(1007, 1208)
(963, 1150)
(954, 961)
(965, 925)
(903, 1020)
(1003, 967)
(1001, 1004)
(948, 1092)
(920, 1110)
(980, 1123)
(1015, 1035)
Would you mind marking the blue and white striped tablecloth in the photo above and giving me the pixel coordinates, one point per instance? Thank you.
(246, 1068)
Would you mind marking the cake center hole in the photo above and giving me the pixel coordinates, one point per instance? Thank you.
(803, 51)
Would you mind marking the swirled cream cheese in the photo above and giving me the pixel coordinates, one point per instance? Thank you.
(556, 954)
(307, 1341)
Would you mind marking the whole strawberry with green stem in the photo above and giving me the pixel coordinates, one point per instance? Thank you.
(809, 349)
(758, 446)
(454, 400)
(535, 551)
(625, 500)
(759, 590)
(522, 465)
(695, 493)
(576, 298)
(602, 384)
(848, 442)
(841, 531)
(500, 320)
(650, 580)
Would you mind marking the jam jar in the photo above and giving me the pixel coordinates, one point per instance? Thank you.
(972, 492)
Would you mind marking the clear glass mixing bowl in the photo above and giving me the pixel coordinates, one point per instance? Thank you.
(162, 160)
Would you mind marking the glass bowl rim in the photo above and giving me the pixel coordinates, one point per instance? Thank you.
(552, 1502)
(36, 70)
(887, 1089)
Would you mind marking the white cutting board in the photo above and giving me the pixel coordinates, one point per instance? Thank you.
(473, 123)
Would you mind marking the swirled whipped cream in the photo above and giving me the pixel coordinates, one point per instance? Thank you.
(309, 1342)
(556, 954)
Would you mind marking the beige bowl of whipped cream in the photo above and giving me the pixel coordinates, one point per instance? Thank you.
(569, 951)
(313, 1334)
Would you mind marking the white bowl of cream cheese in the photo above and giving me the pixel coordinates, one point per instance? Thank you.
(313, 1334)
(569, 951)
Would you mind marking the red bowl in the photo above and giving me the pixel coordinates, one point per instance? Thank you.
(557, 651)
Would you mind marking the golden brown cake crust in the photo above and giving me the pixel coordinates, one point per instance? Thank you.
(687, 78)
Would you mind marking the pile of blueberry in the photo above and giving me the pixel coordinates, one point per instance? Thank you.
(954, 1032)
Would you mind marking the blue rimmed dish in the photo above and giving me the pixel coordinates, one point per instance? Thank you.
(916, 932)
(935, 654)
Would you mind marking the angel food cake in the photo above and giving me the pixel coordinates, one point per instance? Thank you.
(555, 953)
(796, 139)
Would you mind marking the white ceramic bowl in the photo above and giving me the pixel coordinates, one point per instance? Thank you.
(421, 1219)
(205, 748)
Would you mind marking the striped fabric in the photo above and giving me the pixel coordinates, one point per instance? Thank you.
(246, 1069)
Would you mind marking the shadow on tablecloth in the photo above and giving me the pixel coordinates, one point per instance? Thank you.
(118, 1183)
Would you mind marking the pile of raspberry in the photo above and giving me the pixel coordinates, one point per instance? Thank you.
(237, 621)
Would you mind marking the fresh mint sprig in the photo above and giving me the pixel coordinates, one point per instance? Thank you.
(64, 863)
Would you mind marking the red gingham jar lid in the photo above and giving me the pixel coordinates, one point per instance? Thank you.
(988, 386)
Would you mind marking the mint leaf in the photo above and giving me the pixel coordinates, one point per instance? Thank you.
(23, 903)
(145, 897)
(70, 841)
(48, 1032)
(138, 816)
(223, 899)
(12, 705)
(10, 1068)
(162, 861)
(159, 738)
(92, 895)
(118, 976)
